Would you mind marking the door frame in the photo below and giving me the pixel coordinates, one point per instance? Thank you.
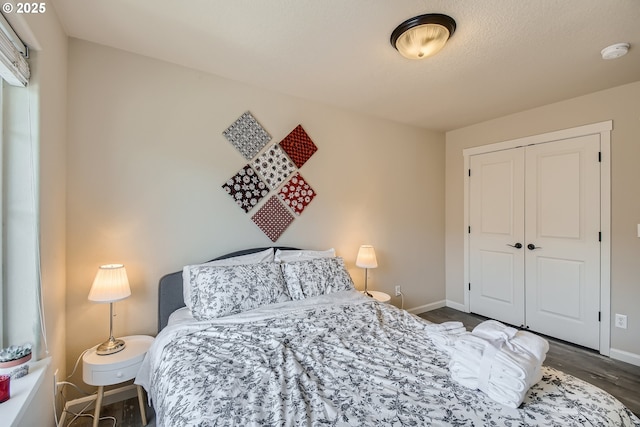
(604, 130)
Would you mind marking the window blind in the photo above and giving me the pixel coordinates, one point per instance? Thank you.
(14, 68)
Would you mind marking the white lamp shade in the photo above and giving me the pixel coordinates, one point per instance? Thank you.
(110, 285)
(366, 257)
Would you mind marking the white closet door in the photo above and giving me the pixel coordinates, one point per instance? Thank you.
(496, 265)
(562, 260)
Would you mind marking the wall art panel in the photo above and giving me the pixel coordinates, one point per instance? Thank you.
(298, 146)
(247, 135)
(273, 218)
(297, 193)
(246, 188)
(274, 166)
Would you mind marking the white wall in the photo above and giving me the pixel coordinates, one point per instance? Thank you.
(620, 104)
(146, 159)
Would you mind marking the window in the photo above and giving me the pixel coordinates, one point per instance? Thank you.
(20, 263)
(19, 252)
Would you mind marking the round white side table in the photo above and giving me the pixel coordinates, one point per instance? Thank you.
(116, 368)
(380, 296)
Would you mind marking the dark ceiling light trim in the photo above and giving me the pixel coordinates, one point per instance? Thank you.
(423, 36)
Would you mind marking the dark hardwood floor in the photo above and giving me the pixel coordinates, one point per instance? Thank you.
(620, 379)
(119, 414)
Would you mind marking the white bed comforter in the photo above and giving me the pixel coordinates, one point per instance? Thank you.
(339, 359)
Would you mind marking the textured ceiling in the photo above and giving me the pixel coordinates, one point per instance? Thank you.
(505, 56)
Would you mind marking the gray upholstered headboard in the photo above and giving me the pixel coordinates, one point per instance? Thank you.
(170, 287)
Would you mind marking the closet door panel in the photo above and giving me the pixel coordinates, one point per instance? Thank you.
(562, 261)
(496, 220)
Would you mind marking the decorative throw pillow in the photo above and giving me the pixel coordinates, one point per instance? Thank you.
(218, 291)
(254, 258)
(315, 277)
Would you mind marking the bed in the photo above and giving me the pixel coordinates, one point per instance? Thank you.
(325, 356)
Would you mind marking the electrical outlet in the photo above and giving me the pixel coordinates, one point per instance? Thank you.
(55, 383)
(621, 321)
(398, 291)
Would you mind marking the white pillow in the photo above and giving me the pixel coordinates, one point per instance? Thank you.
(295, 255)
(316, 277)
(255, 258)
(180, 315)
(218, 291)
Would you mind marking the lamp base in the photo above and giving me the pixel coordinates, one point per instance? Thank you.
(110, 346)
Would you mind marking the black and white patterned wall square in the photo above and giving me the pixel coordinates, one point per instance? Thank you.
(247, 135)
(246, 188)
(273, 166)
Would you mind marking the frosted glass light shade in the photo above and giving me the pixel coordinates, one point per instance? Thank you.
(423, 36)
(110, 284)
(366, 257)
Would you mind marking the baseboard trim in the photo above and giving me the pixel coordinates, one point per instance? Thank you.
(625, 356)
(456, 306)
(427, 307)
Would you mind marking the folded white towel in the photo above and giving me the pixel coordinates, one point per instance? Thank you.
(446, 341)
(514, 339)
(492, 329)
(487, 371)
(444, 335)
(499, 360)
(445, 327)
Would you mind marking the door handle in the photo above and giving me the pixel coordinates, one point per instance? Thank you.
(517, 245)
(531, 246)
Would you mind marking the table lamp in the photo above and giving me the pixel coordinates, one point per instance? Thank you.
(110, 285)
(366, 259)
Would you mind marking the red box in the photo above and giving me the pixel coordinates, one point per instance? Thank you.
(4, 388)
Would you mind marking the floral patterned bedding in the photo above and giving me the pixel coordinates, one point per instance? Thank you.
(339, 359)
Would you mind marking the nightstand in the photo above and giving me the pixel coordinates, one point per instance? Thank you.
(116, 368)
(380, 296)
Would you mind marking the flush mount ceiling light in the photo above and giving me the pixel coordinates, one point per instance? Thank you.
(423, 36)
(615, 51)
